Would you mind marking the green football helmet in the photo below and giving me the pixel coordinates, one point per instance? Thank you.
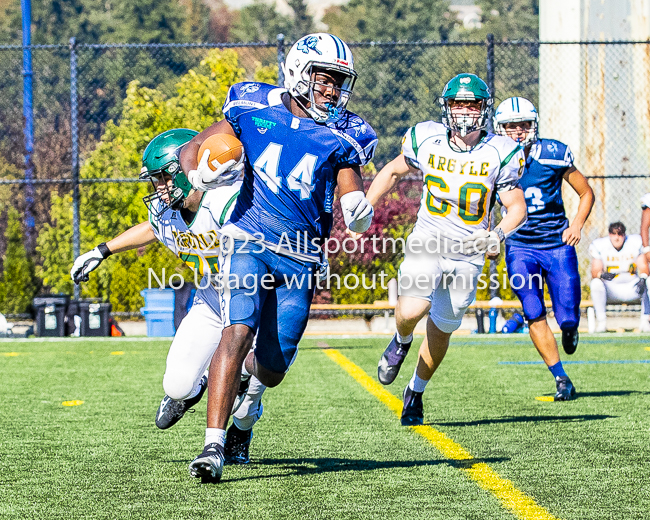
(466, 87)
(160, 158)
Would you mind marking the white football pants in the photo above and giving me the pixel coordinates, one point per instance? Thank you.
(619, 290)
(190, 354)
(450, 285)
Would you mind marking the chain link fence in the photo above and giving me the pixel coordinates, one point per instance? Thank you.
(595, 96)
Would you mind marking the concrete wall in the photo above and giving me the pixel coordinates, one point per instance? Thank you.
(596, 98)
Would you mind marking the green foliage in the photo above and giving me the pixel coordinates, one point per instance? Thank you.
(391, 20)
(266, 74)
(303, 23)
(260, 22)
(508, 20)
(98, 21)
(17, 281)
(110, 209)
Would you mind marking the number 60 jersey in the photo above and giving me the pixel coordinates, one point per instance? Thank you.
(459, 187)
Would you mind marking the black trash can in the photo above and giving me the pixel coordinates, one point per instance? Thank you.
(95, 318)
(50, 315)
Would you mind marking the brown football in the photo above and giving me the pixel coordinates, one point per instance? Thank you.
(223, 148)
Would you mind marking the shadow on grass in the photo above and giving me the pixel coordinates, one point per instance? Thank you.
(337, 347)
(610, 393)
(526, 418)
(283, 468)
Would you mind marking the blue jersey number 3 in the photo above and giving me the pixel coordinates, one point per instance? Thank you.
(534, 199)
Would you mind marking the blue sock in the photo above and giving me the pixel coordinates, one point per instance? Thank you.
(558, 370)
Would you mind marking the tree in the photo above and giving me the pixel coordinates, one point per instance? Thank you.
(508, 20)
(391, 20)
(109, 209)
(260, 22)
(99, 21)
(398, 86)
(17, 281)
(303, 23)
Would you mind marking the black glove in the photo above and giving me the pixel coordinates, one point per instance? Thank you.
(608, 277)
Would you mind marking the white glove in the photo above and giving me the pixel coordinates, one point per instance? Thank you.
(357, 211)
(88, 262)
(481, 242)
(205, 178)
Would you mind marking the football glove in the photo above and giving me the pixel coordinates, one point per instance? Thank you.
(88, 262)
(608, 277)
(357, 211)
(481, 242)
(205, 178)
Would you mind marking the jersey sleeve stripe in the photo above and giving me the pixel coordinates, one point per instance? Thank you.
(152, 223)
(242, 103)
(553, 162)
(414, 142)
(222, 218)
(510, 156)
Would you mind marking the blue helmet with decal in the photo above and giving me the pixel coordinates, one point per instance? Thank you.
(320, 52)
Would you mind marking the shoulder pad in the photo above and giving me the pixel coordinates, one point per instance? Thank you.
(357, 133)
(247, 95)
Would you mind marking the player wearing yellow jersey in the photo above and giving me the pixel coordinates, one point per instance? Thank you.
(463, 168)
(188, 222)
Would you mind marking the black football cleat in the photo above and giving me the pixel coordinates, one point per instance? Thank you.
(413, 411)
(209, 465)
(171, 411)
(237, 444)
(565, 389)
(570, 340)
(392, 360)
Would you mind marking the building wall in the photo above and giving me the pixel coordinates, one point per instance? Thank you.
(596, 98)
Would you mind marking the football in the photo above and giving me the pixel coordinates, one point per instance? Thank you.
(223, 148)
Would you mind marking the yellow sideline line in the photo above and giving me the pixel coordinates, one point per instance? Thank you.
(520, 504)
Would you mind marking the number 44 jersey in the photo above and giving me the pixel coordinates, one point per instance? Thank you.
(291, 166)
(459, 187)
(541, 181)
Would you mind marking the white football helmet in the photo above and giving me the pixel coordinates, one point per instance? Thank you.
(513, 110)
(320, 51)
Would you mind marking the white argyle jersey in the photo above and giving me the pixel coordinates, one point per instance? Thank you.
(645, 201)
(198, 243)
(459, 187)
(618, 262)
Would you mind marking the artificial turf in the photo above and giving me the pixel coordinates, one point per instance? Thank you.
(325, 447)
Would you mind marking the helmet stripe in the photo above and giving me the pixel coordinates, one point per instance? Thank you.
(338, 46)
(345, 54)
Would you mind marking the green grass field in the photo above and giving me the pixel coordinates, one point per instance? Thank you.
(327, 448)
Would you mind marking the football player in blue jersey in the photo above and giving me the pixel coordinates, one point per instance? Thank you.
(543, 249)
(300, 143)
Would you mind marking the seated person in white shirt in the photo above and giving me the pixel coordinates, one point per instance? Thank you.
(619, 271)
